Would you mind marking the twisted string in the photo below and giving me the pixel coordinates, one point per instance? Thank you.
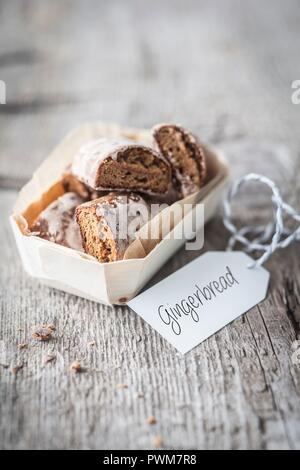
(280, 236)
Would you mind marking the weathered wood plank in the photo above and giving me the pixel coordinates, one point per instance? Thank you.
(230, 81)
(239, 389)
(229, 75)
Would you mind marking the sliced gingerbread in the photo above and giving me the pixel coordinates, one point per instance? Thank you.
(185, 155)
(57, 223)
(109, 224)
(106, 164)
(72, 184)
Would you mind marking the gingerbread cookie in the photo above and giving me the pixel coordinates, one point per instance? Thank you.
(72, 184)
(105, 164)
(185, 155)
(109, 224)
(57, 223)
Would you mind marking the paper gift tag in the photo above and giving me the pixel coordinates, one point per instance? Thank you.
(202, 297)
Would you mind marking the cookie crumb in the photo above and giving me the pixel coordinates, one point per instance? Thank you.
(158, 442)
(15, 369)
(51, 327)
(22, 345)
(75, 367)
(91, 343)
(140, 395)
(121, 386)
(49, 358)
(43, 332)
(151, 420)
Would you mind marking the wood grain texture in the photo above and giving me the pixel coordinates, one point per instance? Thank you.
(229, 80)
(224, 70)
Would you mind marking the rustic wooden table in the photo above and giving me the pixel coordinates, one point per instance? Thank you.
(225, 70)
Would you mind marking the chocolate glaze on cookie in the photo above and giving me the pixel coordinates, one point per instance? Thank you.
(106, 164)
(185, 155)
(57, 222)
(109, 224)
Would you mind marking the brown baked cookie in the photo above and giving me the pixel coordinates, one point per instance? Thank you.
(109, 224)
(185, 155)
(72, 184)
(106, 164)
(57, 223)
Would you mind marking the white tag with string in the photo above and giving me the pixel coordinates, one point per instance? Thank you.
(202, 297)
